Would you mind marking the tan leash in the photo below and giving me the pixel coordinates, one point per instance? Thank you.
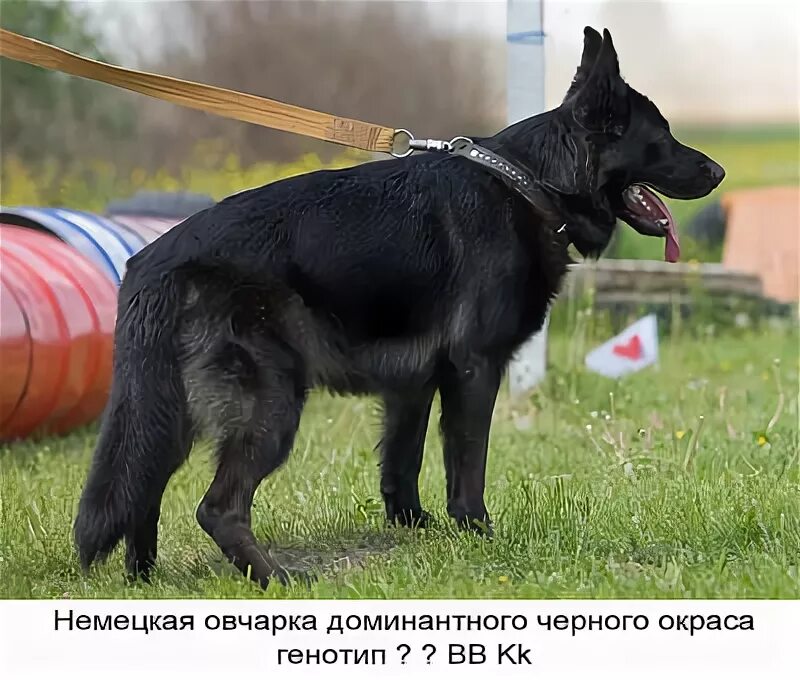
(220, 101)
(269, 112)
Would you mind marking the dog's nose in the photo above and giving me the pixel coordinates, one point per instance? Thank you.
(715, 171)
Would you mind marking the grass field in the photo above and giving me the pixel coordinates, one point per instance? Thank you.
(597, 489)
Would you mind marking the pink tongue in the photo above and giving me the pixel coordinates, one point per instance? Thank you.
(672, 248)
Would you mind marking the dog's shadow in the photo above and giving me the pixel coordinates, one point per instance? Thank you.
(306, 563)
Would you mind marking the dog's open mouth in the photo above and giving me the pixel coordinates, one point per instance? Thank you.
(648, 214)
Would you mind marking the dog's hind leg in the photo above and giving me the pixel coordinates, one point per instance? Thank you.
(402, 446)
(141, 539)
(145, 435)
(141, 545)
(256, 428)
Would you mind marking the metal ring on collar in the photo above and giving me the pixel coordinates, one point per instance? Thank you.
(453, 141)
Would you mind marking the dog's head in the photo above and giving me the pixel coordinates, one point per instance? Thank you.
(615, 149)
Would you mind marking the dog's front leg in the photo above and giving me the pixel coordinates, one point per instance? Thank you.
(402, 446)
(468, 395)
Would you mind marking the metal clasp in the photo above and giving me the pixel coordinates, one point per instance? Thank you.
(429, 145)
(425, 144)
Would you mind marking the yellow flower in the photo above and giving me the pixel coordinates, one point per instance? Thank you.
(502, 579)
(761, 440)
(679, 434)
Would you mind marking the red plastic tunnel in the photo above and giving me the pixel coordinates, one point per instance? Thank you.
(57, 313)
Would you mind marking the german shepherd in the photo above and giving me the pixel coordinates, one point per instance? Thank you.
(396, 278)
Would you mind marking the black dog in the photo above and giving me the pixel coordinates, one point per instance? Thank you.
(396, 278)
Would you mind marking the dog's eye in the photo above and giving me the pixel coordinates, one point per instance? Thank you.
(651, 153)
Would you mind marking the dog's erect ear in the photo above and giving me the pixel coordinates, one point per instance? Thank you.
(592, 41)
(601, 105)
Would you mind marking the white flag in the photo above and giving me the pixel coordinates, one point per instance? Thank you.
(631, 350)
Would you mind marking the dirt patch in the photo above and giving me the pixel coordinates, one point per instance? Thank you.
(308, 560)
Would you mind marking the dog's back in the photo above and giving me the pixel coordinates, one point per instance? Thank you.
(370, 273)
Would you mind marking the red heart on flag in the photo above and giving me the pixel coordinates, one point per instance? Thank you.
(631, 349)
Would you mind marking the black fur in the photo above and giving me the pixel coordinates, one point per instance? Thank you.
(396, 278)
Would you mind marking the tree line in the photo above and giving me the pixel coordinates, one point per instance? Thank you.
(382, 62)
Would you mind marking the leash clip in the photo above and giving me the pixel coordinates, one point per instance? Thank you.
(440, 145)
(429, 145)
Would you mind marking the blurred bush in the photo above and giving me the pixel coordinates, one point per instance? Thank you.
(90, 184)
(382, 62)
(48, 117)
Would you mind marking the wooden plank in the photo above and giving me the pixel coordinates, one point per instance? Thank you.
(648, 277)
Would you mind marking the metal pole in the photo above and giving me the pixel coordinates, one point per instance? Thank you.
(525, 97)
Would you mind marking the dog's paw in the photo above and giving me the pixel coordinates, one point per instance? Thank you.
(412, 518)
(478, 522)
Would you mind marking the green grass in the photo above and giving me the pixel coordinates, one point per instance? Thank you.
(642, 504)
(751, 157)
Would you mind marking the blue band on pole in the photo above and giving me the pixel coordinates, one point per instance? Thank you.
(526, 37)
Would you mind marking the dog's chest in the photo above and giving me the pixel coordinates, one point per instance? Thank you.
(506, 310)
(510, 288)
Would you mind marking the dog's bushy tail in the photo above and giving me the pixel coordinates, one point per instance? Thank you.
(145, 433)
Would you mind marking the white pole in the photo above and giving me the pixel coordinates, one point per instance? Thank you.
(525, 97)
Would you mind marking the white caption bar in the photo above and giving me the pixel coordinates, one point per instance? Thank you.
(431, 639)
